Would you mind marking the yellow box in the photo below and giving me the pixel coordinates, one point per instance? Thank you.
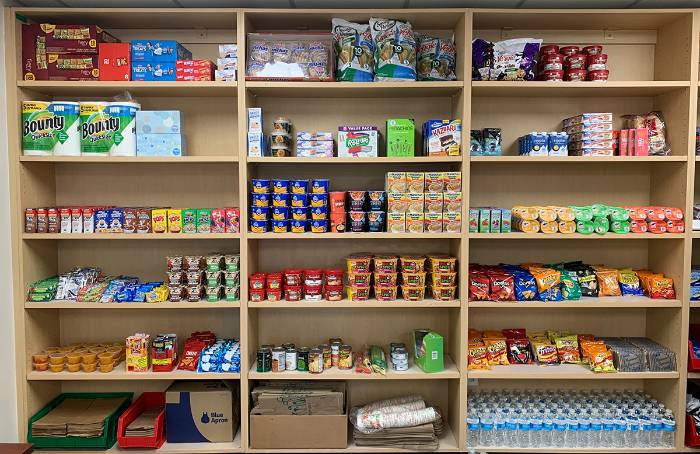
(433, 222)
(434, 181)
(395, 182)
(396, 222)
(175, 221)
(433, 202)
(452, 222)
(397, 202)
(452, 202)
(137, 348)
(414, 222)
(415, 182)
(159, 221)
(453, 181)
(415, 203)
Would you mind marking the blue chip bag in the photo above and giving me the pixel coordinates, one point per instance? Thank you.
(695, 293)
(525, 286)
(695, 277)
(551, 294)
(629, 283)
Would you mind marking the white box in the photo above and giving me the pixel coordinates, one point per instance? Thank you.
(358, 142)
(255, 120)
(256, 144)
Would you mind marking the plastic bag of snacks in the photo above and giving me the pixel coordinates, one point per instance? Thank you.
(512, 59)
(570, 290)
(395, 50)
(436, 58)
(355, 51)
(654, 122)
(478, 358)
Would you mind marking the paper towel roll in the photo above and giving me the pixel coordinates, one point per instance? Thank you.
(96, 128)
(124, 139)
(38, 126)
(68, 137)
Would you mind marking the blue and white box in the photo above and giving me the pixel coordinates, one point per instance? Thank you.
(158, 50)
(158, 122)
(160, 145)
(153, 71)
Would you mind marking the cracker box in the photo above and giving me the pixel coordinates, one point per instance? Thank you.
(452, 222)
(255, 119)
(428, 350)
(433, 222)
(358, 141)
(484, 220)
(160, 145)
(34, 53)
(400, 137)
(75, 39)
(158, 51)
(72, 67)
(115, 61)
(414, 222)
(153, 71)
(442, 137)
(137, 347)
(396, 222)
(395, 182)
(473, 220)
(158, 122)
(174, 221)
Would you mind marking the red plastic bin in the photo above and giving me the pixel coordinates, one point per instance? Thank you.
(693, 333)
(146, 401)
(691, 439)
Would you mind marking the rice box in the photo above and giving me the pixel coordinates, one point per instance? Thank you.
(358, 141)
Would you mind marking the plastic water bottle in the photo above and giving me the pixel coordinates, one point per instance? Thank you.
(644, 438)
(632, 434)
(606, 437)
(487, 428)
(596, 433)
(618, 439)
(547, 430)
(511, 432)
(657, 427)
(584, 429)
(472, 430)
(559, 433)
(523, 433)
(668, 437)
(536, 426)
(499, 432)
(571, 434)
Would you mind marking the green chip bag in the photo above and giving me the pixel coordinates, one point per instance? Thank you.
(570, 290)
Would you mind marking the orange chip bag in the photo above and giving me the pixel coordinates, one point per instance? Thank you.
(607, 283)
(478, 359)
(492, 334)
(496, 351)
(661, 287)
(567, 349)
(474, 334)
(546, 353)
(546, 278)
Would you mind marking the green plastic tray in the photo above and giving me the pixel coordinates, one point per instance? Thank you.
(109, 435)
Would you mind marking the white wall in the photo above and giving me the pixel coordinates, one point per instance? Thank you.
(8, 391)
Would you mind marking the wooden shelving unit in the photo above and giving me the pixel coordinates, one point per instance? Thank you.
(654, 58)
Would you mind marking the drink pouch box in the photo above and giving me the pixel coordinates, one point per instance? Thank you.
(115, 61)
(160, 145)
(536, 144)
(358, 141)
(158, 122)
(484, 220)
(153, 71)
(473, 220)
(400, 137)
(506, 220)
(428, 350)
(72, 67)
(442, 137)
(495, 221)
(158, 51)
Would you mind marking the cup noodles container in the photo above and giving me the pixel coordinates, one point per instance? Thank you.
(442, 137)
(338, 221)
(575, 75)
(358, 142)
(337, 201)
(575, 62)
(569, 50)
(115, 61)
(600, 75)
(592, 50)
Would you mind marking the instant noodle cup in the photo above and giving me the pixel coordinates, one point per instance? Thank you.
(333, 292)
(575, 62)
(56, 367)
(444, 279)
(386, 293)
(442, 263)
(280, 186)
(57, 358)
(413, 293)
(444, 293)
(105, 368)
(358, 293)
(89, 358)
(358, 263)
(105, 358)
(89, 367)
(299, 186)
(274, 295)
(385, 263)
(357, 200)
(298, 226)
(280, 200)
(413, 279)
(293, 293)
(280, 226)
(41, 367)
(260, 186)
(257, 296)
(293, 277)
(337, 221)
(337, 201)
(385, 279)
(412, 263)
(359, 279)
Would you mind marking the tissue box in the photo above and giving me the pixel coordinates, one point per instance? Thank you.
(158, 122)
(153, 71)
(158, 51)
(160, 145)
(428, 350)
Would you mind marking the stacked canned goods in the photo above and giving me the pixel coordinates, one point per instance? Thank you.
(287, 357)
(282, 205)
(399, 356)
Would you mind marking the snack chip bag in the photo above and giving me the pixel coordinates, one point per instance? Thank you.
(478, 359)
(546, 353)
(514, 333)
(570, 290)
(496, 351)
(607, 282)
(661, 287)
(514, 59)
(551, 294)
(546, 278)
(525, 286)
(519, 351)
(482, 59)
(502, 287)
(587, 281)
(355, 51)
(395, 50)
(600, 358)
(629, 282)
(436, 58)
(478, 287)
(567, 349)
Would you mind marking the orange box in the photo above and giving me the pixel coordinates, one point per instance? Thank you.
(414, 222)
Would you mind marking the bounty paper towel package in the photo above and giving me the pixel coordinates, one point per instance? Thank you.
(50, 128)
(124, 138)
(158, 122)
(108, 128)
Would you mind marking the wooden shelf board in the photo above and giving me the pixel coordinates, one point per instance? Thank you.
(576, 159)
(575, 89)
(352, 304)
(130, 236)
(694, 375)
(575, 236)
(120, 373)
(413, 373)
(617, 302)
(354, 89)
(695, 233)
(349, 236)
(448, 443)
(577, 450)
(561, 372)
(164, 305)
(107, 89)
(132, 159)
(694, 304)
(378, 160)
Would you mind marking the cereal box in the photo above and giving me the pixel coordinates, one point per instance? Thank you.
(442, 137)
(400, 137)
(189, 220)
(358, 141)
(159, 221)
(433, 222)
(452, 222)
(218, 220)
(204, 220)
(175, 221)
(395, 182)
(415, 182)
(396, 222)
(233, 220)
(414, 222)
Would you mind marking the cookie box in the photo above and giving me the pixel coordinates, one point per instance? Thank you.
(157, 50)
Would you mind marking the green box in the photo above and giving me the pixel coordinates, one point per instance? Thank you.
(428, 350)
(204, 220)
(400, 137)
(109, 435)
(484, 220)
(473, 220)
(189, 220)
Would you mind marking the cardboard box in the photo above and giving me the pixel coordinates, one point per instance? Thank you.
(115, 61)
(256, 144)
(72, 67)
(156, 50)
(428, 350)
(358, 141)
(158, 122)
(473, 220)
(641, 142)
(495, 220)
(34, 53)
(442, 137)
(153, 71)
(400, 137)
(201, 411)
(255, 119)
(623, 142)
(484, 220)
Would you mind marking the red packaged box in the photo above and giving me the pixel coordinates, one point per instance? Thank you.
(622, 147)
(72, 67)
(197, 64)
(66, 222)
(233, 220)
(75, 39)
(218, 220)
(193, 78)
(115, 61)
(641, 142)
(33, 53)
(675, 226)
